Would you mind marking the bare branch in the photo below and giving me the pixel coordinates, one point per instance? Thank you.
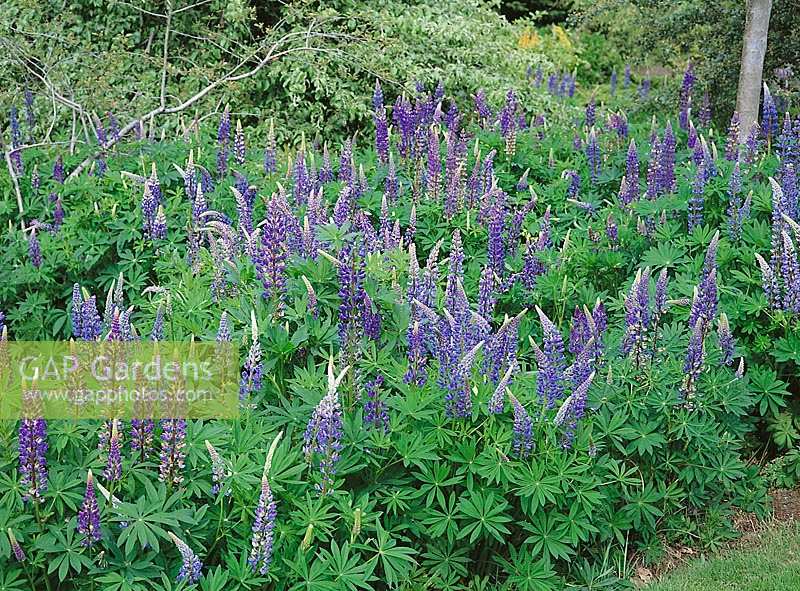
(15, 182)
(165, 62)
(185, 8)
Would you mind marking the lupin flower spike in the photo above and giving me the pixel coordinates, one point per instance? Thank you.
(16, 549)
(89, 514)
(191, 569)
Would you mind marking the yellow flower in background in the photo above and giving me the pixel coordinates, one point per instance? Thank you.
(529, 38)
(561, 37)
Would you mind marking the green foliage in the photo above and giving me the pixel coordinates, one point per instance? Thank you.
(109, 58)
(708, 31)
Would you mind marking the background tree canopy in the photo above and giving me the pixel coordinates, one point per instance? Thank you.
(708, 31)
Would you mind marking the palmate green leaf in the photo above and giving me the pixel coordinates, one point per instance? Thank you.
(151, 518)
(535, 488)
(528, 572)
(414, 450)
(442, 521)
(642, 506)
(348, 571)
(65, 551)
(484, 516)
(395, 561)
(447, 560)
(14, 580)
(131, 572)
(645, 439)
(433, 478)
(788, 348)
(550, 535)
(314, 510)
(664, 255)
(783, 430)
(310, 577)
(770, 392)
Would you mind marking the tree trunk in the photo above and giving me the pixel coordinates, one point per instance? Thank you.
(754, 48)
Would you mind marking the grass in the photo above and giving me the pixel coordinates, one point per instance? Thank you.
(770, 564)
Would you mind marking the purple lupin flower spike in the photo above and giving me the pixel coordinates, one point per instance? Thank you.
(16, 549)
(725, 338)
(496, 243)
(482, 107)
(239, 147)
(550, 379)
(613, 82)
(732, 141)
(253, 369)
(219, 471)
(261, 543)
(89, 515)
(377, 97)
(735, 208)
(498, 397)
(626, 77)
(631, 192)
(34, 250)
(696, 201)
(224, 129)
(637, 316)
(91, 323)
(612, 232)
(371, 319)
(769, 116)
(159, 229)
(590, 116)
(351, 295)
(751, 144)
(392, 184)
(142, 437)
(508, 123)
(224, 330)
(33, 458)
(58, 215)
(486, 293)
(667, 181)
(381, 136)
(579, 333)
(434, 166)
(58, 170)
(270, 259)
(695, 356)
(522, 443)
(685, 96)
(191, 568)
(572, 410)
(376, 415)
(113, 469)
(157, 333)
(323, 434)
(660, 303)
(346, 163)
(417, 356)
(593, 156)
(173, 451)
(312, 304)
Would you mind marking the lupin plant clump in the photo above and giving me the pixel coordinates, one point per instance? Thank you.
(509, 311)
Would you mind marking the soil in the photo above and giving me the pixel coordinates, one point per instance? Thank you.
(785, 509)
